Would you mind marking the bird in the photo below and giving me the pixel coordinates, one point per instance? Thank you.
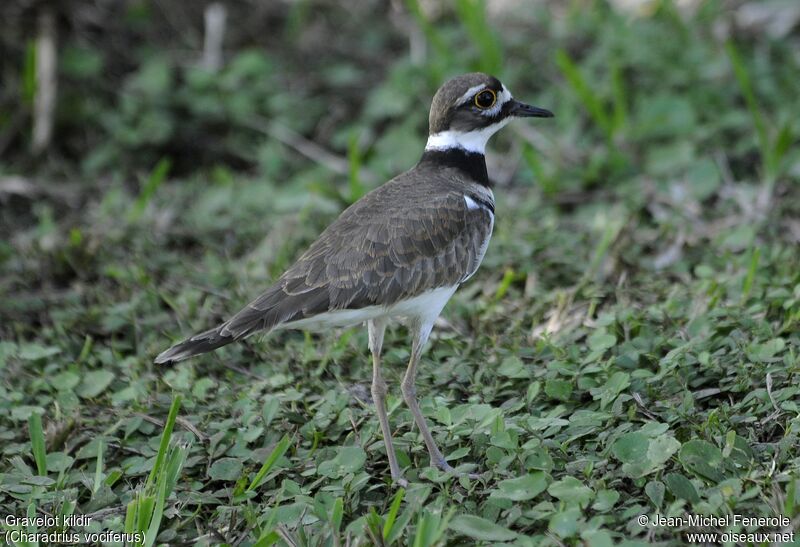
(398, 253)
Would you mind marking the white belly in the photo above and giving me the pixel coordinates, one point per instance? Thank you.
(425, 307)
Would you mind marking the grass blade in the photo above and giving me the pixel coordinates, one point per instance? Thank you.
(144, 511)
(472, 14)
(29, 73)
(268, 539)
(157, 512)
(746, 86)
(789, 505)
(130, 515)
(279, 450)
(157, 176)
(392, 516)
(336, 518)
(747, 285)
(426, 529)
(430, 32)
(165, 437)
(508, 278)
(173, 468)
(38, 446)
(98, 469)
(620, 110)
(589, 99)
(540, 177)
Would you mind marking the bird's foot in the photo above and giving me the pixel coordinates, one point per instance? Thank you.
(442, 464)
(397, 478)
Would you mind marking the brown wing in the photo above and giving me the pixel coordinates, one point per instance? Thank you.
(376, 254)
(392, 244)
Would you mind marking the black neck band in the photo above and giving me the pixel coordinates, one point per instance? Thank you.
(472, 164)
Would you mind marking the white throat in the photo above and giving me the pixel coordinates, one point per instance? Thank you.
(475, 140)
(471, 141)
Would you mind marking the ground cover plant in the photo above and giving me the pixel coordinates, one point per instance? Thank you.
(629, 346)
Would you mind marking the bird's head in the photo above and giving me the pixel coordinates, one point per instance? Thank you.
(470, 108)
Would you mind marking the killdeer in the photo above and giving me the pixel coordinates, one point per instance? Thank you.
(398, 253)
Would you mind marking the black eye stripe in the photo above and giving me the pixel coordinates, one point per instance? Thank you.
(506, 108)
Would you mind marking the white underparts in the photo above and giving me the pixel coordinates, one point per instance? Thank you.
(471, 141)
(424, 308)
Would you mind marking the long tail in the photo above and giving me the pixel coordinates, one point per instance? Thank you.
(268, 311)
(197, 344)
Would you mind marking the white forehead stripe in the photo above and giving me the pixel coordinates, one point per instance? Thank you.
(471, 141)
(504, 96)
(467, 97)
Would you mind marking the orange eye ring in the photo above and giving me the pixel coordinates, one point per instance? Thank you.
(485, 99)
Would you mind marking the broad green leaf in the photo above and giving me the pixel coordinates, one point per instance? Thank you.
(605, 500)
(226, 469)
(348, 460)
(522, 488)
(597, 538)
(655, 491)
(571, 491)
(512, 367)
(34, 352)
(631, 447)
(94, 383)
(681, 487)
(65, 381)
(480, 528)
(662, 448)
(766, 351)
(703, 178)
(558, 389)
(58, 461)
(565, 523)
(601, 340)
(702, 458)
(615, 385)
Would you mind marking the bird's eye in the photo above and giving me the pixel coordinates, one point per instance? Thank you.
(485, 99)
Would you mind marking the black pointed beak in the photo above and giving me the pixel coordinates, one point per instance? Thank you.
(522, 110)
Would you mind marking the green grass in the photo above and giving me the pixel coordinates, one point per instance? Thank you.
(631, 344)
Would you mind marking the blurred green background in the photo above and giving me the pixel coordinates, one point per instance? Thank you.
(630, 345)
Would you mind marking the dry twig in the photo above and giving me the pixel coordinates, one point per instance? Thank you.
(46, 81)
